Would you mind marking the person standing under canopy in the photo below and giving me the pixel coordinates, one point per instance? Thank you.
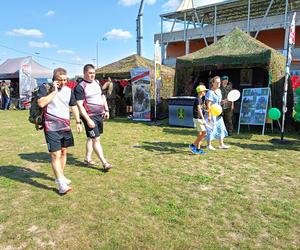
(227, 106)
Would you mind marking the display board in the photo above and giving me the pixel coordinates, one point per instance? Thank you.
(254, 107)
(140, 79)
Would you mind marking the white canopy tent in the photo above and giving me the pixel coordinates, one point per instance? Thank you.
(190, 4)
(11, 67)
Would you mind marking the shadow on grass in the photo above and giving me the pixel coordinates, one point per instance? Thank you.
(25, 175)
(120, 120)
(265, 147)
(43, 157)
(180, 131)
(163, 147)
(160, 123)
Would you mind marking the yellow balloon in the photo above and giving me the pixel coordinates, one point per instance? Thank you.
(216, 109)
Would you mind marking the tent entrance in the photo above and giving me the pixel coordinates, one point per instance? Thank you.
(239, 77)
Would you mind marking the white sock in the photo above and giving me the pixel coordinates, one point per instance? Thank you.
(61, 181)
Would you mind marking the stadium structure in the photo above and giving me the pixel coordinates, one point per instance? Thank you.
(203, 22)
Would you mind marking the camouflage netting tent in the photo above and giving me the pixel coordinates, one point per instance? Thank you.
(236, 50)
(121, 70)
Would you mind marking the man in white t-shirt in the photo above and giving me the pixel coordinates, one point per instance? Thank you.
(93, 109)
(56, 108)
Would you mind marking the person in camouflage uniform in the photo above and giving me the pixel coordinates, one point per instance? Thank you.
(227, 106)
(110, 88)
(128, 99)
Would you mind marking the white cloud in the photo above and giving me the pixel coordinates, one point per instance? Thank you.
(50, 13)
(171, 5)
(134, 2)
(118, 34)
(47, 45)
(25, 32)
(76, 58)
(65, 51)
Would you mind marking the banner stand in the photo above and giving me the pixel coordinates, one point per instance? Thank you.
(157, 81)
(140, 79)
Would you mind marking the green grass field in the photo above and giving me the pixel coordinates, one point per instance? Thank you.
(157, 196)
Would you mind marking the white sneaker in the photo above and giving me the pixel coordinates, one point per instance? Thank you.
(224, 146)
(64, 188)
(67, 181)
(210, 147)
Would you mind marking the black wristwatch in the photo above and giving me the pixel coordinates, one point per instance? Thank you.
(78, 122)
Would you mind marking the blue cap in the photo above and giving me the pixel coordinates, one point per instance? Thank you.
(224, 78)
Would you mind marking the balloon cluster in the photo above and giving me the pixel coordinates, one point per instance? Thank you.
(296, 112)
(274, 113)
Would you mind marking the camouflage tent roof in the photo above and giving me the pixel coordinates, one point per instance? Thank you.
(235, 50)
(121, 70)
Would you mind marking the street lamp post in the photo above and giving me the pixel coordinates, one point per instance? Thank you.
(97, 50)
(37, 56)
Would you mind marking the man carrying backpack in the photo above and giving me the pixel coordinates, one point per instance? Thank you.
(56, 123)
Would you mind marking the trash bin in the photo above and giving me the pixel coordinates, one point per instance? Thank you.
(181, 111)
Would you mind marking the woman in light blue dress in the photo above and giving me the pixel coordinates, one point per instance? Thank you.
(217, 129)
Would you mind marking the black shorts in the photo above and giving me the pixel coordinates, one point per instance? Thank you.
(59, 139)
(128, 101)
(97, 130)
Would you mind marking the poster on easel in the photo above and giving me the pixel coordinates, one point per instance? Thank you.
(254, 107)
(140, 79)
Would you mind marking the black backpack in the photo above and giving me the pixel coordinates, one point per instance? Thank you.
(35, 111)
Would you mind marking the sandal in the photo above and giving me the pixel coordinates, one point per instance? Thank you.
(107, 166)
(89, 163)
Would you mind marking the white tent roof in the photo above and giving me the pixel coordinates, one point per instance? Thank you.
(190, 4)
(10, 68)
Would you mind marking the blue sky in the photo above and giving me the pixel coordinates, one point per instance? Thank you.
(68, 30)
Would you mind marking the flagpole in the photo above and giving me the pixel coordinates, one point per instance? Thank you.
(287, 72)
(284, 100)
(155, 89)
